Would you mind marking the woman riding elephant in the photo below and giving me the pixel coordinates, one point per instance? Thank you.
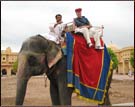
(37, 56)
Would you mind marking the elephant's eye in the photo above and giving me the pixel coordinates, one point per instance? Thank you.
(32, 61)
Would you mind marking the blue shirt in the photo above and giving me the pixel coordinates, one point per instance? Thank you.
(81, 21)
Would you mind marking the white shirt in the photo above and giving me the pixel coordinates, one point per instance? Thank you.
(55, 33)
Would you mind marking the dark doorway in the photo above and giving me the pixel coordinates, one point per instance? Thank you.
(4, 72)
(13, 72)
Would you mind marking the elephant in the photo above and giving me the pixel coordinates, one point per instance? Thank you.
(38, 56)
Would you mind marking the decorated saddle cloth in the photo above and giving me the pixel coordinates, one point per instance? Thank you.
(87, 68)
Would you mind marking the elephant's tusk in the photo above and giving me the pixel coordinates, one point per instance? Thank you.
(56, 59)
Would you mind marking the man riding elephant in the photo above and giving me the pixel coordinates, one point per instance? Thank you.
(82, 24)
(56, 30)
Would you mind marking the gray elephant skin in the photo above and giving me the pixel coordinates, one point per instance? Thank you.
(37, 56)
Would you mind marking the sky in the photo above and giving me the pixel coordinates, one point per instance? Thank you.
(23, 19)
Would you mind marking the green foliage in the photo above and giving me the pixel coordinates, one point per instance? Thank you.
(113, 58)
(132, 59)
(15, 65)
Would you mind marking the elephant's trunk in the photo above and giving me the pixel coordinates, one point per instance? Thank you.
(21, 90)
(22, 79)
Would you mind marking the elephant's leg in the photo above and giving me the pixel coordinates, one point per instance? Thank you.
(54, 93)
(107, 99)
(65, 93)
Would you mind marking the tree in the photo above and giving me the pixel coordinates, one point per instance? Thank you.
(113, 58)
(132, 59)
(15, 65)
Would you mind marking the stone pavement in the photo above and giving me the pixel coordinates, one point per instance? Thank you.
(122, 77)
(124, 104)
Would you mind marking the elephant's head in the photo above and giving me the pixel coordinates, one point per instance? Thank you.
(36, 56)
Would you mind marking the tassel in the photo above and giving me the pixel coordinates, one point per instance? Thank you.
(45, 78)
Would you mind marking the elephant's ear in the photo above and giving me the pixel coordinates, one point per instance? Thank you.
(54, 54)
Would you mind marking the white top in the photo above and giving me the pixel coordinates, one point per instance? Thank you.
(55, 33)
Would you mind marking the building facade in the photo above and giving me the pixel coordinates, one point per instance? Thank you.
(7, 59)
(123, 56)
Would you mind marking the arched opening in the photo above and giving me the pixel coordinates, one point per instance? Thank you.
(4, 72)
(13, 72)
